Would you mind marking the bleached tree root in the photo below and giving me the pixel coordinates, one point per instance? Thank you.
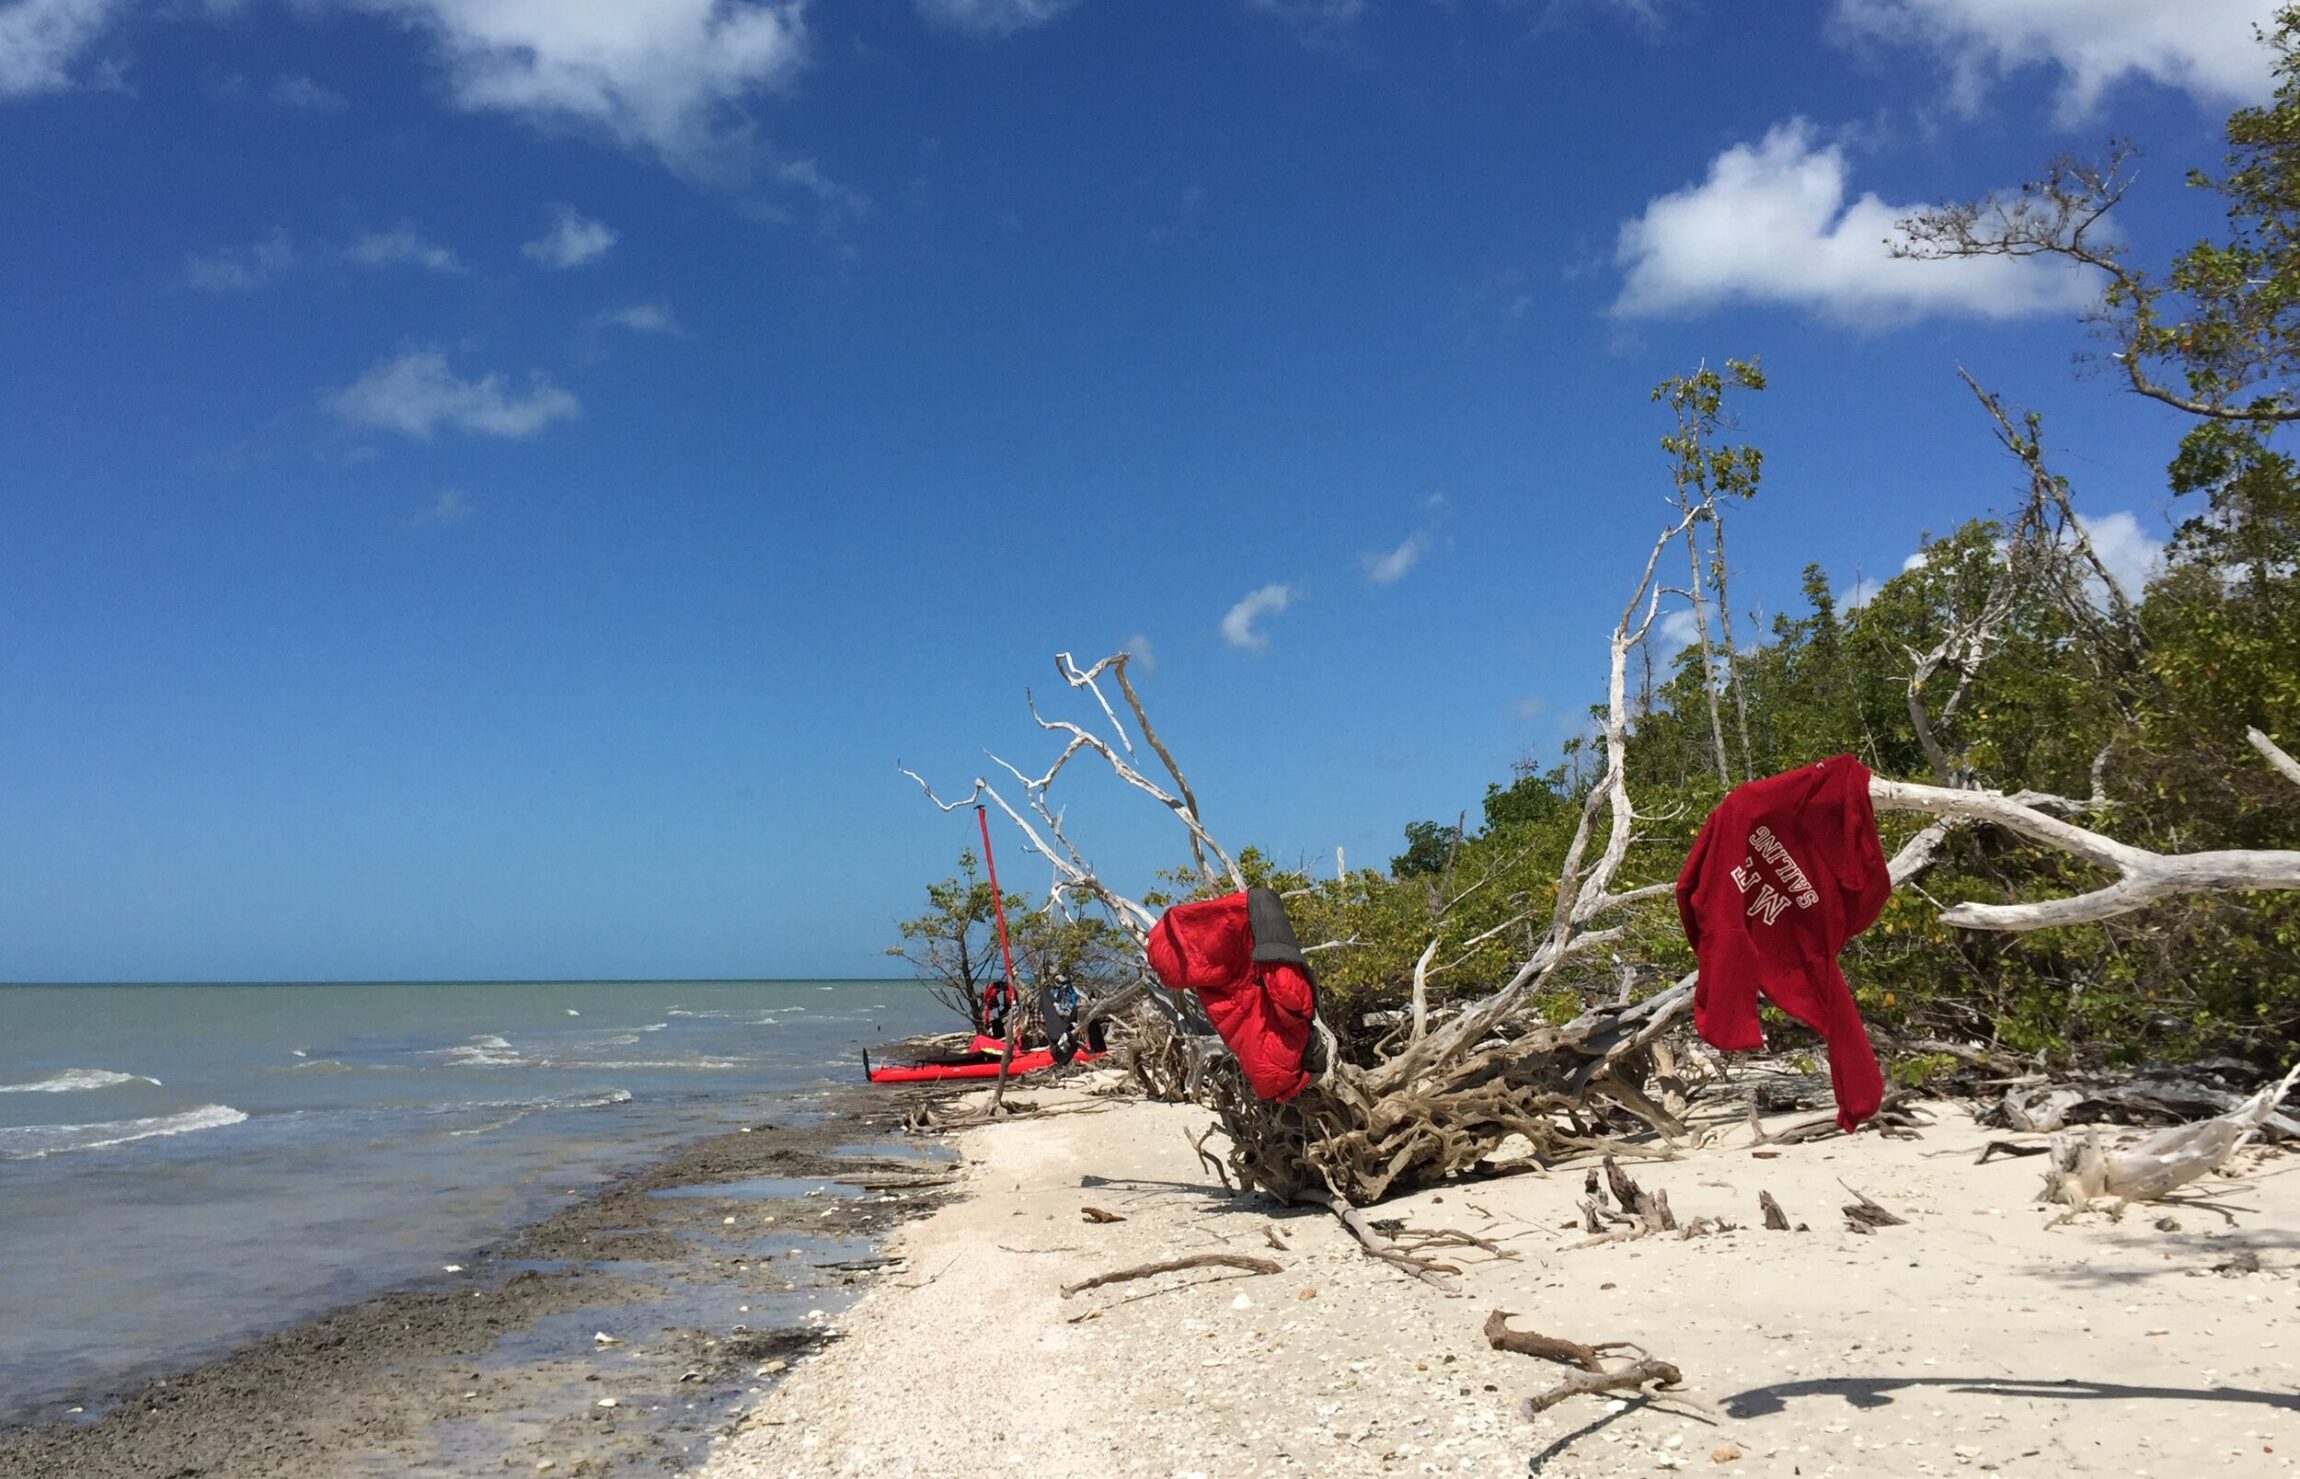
(1440, 1276)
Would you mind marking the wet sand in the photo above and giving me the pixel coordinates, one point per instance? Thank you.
(708, 1272)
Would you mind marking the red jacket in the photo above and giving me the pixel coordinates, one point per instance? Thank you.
(1258, 993)
(1786, 870)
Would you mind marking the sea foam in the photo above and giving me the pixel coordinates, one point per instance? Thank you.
(29, 1142)
(73, 1080)
(486, 1051)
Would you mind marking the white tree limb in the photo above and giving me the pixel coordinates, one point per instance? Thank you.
(2143, 877)
(1422, 989)
(2285, 765)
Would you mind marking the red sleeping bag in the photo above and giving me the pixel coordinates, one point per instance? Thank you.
(1259, 995)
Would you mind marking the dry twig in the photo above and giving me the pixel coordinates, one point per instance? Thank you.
(1863, 1215)
(1632, 1377)
(1172, 1265)
(1594, 1376)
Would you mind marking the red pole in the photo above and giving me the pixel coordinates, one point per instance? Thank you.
(998, 906)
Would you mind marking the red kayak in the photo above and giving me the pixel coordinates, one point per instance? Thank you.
(979, 1061)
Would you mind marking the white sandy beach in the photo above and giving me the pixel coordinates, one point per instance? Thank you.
(1979, 1337)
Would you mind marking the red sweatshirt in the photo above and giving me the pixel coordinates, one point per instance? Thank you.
(1255, 983)
(1786, 870)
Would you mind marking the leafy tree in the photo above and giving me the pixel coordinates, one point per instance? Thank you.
(954, 945)
(1429, 849)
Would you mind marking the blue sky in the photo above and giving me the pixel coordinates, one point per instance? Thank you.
(494, 488)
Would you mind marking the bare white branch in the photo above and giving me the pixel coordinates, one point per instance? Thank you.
(2143, 876)
(1422, 989)
(2285, 765)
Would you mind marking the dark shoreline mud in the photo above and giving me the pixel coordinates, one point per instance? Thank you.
(619, 1335)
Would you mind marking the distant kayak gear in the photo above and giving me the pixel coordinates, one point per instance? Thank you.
(980, 1060)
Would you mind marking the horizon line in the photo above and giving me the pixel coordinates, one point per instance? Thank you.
(504, 981)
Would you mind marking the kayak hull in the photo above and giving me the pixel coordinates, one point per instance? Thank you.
(1033, 1061)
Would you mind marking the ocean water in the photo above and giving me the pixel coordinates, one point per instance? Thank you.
(182, 1166)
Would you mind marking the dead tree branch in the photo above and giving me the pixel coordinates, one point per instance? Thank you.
(1594, 1376)
(1175, 1265)
(2143, 876)
(1631, 1378)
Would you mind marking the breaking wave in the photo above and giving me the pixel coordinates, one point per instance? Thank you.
(520, 1111)
(485, 1051)
(72, 1080)
(29, 1142)
(705, 1065)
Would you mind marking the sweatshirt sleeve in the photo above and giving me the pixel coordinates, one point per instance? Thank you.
(1689, 883)
(1867, 883)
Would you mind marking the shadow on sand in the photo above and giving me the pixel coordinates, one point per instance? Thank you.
(1877, 1391)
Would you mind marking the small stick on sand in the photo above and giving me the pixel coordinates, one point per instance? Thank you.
(1428, 1270)
(1418, 1240)
(1548, 1347)
(1097, 1214)
(1195, 1260)
(1866, 1216)
(1207, 1159)
(1593, 1378)
(1629, 1378)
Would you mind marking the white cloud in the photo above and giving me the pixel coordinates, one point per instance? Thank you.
(450, 507)
(669, 76)
(241, 269)
(41, 39)
(640, 318)
(1860, 593)
(2202, 47)
(573, 240)
(301, 92)
(1391, 567)
(1314, 15)
(992, 17)
(1145, 656)
(416, 393)
(402, 247)
(2131, 555)
(1676, 631)
(1771, 224)
(1238, 626)
(838, 202)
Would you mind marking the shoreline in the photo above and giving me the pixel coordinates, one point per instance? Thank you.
(1988, 1333)
(825, 1297)
(708, 1270)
